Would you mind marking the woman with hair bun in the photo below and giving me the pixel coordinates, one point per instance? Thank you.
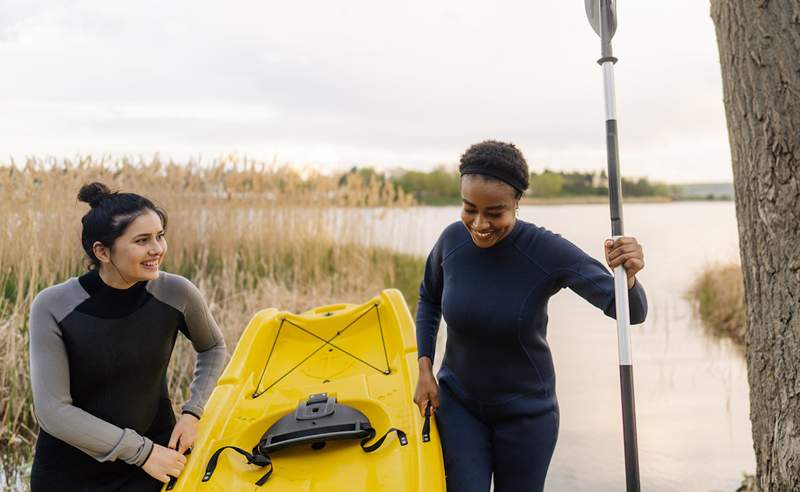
(100, 345)
(490, 276)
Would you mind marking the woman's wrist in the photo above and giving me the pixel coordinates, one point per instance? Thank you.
(187, 412)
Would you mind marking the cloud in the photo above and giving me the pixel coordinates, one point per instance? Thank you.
(389, 84)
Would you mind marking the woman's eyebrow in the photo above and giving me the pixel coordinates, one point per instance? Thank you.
(493, 207)
(148, 234)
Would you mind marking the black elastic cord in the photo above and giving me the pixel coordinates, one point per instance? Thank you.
(252, 459)
(426, 427)
(327, 342)
(372, 447)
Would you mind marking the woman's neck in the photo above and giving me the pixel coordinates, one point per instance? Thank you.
(112, 278)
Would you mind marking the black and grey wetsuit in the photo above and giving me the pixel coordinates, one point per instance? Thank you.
(99, 360)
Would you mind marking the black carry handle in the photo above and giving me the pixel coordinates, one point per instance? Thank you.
(254, 459)
(372, 447)
(174, 480)
(261, 460)
(426, 427)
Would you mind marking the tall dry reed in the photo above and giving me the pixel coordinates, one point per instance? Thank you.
(250, 235)
(718, 297)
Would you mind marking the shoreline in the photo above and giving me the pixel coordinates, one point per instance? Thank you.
(585, 200)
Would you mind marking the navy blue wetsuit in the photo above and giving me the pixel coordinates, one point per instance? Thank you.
(498, 410)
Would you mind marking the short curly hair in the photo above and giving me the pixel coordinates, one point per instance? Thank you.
(498, 158)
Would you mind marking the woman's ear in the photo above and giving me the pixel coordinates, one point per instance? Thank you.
(101, 252)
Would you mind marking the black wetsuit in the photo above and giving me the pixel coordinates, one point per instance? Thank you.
(99, 360)
(498, 413)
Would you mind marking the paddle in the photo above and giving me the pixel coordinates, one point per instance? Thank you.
(602, 16)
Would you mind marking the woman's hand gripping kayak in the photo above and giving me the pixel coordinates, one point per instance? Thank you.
(427, 388)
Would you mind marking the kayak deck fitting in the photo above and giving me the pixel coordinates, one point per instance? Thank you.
(360, 360)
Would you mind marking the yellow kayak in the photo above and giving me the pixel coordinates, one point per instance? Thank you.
(294, 380)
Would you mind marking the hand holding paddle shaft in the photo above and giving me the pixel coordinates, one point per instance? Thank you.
(602, 16)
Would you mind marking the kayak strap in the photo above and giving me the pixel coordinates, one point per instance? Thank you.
(426, 427)
(401, 436)
(252, 459)
(315, 421)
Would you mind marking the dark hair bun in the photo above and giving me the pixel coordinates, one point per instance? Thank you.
(93, 193)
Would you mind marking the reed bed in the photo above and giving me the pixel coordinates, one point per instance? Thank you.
(250, 235)
(718, 297)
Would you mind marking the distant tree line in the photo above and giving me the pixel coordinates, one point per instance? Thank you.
(441, 186)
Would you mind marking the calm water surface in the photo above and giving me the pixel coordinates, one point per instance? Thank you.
(691, 390)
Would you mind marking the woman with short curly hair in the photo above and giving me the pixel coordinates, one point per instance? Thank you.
(490, 277)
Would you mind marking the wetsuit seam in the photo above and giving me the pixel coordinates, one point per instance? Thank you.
(520, 326)
(453, 251)
(533, 262)
(72, 306)
(584, 277)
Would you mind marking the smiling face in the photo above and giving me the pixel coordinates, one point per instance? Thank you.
(136, 254)
(488, 210)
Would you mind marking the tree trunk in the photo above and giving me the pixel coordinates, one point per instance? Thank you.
(759, 50)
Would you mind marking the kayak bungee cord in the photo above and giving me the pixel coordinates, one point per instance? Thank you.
(326, 342)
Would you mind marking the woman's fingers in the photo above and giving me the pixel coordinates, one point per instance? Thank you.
(183, 445)
(174, 437)
(627, 257)
(422, 405)
(634, 265)
(624, 249)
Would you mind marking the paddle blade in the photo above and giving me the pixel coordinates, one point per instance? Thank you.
(602, 18)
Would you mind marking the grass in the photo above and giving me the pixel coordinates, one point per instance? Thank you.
(249, 235)
(718, 297)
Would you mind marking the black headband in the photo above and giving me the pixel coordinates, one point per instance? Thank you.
(503, 175)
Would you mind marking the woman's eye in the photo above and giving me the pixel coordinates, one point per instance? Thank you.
(495, 215)
(468, 211)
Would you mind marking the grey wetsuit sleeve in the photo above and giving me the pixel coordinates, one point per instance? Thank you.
(52, 401)
(203, 332)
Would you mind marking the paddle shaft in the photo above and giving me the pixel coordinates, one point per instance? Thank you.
(620, 279)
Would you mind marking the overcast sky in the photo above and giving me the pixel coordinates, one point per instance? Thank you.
(390, 84)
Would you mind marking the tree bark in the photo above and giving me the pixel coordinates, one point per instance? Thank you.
(759, 50)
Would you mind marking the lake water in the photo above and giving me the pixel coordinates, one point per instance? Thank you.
(691, 390)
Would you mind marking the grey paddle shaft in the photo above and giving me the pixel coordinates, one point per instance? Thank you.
(602, 16)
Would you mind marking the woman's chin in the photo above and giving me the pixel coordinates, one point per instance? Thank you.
(147, 274)
(484, 242)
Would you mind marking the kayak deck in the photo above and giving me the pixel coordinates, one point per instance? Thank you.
(365, 355)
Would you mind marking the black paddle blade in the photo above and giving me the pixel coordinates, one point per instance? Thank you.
(602, 23)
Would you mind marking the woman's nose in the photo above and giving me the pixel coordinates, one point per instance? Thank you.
(156, 248)
(480, 222)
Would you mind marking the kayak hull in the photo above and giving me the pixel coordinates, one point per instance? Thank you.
(366, 356)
